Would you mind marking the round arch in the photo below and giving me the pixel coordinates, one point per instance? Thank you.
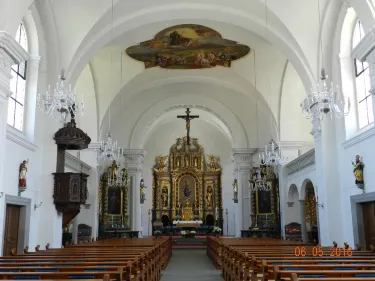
(304, 185)
(293, 189)
(154, 115)
(279, 35)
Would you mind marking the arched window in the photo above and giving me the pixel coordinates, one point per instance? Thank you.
(18, 85)
(362, 83)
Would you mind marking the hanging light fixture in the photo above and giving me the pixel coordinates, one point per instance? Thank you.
(272, 153)
(108, 148)
(324, 100)
(60, 100)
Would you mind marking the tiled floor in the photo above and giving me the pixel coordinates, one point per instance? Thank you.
(190, 265)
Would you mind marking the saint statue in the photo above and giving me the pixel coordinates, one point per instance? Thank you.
(263, 169)
(187, 190)
(186, 161)
(143, 194)
(114, 168)
(164, 196)
(209, 197)
(235, 190)
(22, 174)
(358, 170)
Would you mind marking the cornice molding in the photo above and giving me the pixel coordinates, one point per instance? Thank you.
(243, 155)
(359, 138)
(365, 46)
(301, 172)
(12, 48)
(134, 157)
(305, 160)
(76, 164)
(296, 144)
(20, 139)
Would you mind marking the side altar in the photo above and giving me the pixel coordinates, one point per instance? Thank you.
(186, 187)
(265, 203)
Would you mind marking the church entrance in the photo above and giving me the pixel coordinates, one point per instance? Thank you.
(311, 218)
(12, 222)
(368, 210)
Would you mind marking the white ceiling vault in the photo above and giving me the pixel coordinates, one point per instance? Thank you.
(248, 102)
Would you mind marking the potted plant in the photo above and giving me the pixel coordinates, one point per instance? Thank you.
(157, 233)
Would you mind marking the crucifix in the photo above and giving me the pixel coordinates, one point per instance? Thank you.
(187, 118)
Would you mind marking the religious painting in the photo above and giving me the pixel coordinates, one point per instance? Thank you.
(188, 46)
(264, 200)
(187, 189)
(114, 201)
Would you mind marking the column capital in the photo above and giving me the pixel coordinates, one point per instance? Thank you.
(241, 155)
(134, 159)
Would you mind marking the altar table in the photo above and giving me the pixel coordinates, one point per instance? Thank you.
(187, 224)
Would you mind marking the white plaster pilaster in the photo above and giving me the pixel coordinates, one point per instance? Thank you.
(10, 53)
(242, 165)
(134, 164)
(283, 193)
(303, 220)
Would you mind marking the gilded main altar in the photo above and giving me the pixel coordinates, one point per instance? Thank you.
(186, 186)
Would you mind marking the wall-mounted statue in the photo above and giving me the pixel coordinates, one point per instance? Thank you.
(164, 197)
(358, 167)
(143, 194)
(263, 169)
(22, 174)
(235, 191)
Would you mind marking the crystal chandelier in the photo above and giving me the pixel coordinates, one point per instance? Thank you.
(325, 101)
(272, 154)
(108, 149)
(61, 100)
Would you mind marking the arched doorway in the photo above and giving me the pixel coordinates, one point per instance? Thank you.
(292, 215)
(311, 216)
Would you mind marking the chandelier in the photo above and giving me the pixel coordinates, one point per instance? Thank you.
(60, 99)
(325, 101)
(108, 149)
(271, 155)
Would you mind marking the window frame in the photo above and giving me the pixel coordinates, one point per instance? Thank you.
(357, 74)
(18, 73)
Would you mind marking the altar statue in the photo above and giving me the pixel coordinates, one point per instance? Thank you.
(263, 169)
(187, 190)
(209, 197)
(186, 161)
(358, 170)
(164, 196)
(112, 170)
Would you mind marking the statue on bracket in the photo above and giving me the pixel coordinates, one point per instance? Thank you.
(22, 184)
(143, 194)
(358, 167)
(187, 190)
(235, 191)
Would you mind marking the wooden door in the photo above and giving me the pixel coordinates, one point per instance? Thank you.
(369, 222)
(12, 222)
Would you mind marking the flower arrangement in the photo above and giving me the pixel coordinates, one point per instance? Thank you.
(157, 233)
(216, 229)
(186, 234)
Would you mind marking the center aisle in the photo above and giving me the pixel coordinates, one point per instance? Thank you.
(188, 265)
